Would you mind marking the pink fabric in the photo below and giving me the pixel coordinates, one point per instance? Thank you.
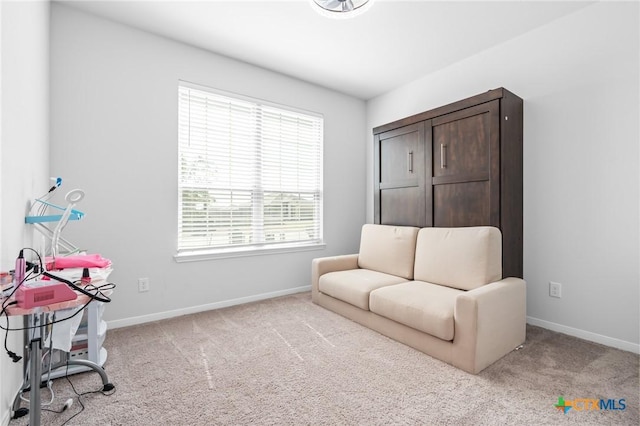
(78, 261)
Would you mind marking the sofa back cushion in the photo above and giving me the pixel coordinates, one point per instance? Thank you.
(388, 249)
(463, 258)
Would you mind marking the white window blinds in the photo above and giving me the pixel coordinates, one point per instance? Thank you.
(250, 173)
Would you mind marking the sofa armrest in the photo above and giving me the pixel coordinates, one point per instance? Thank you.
(490, 321)
(324, 265)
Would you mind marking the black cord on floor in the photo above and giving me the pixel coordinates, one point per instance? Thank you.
(79, 399)
(60, 411)
(80, 395)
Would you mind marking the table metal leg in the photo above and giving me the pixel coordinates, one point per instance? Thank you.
(35, 374)
(33, 378)
(105, 380)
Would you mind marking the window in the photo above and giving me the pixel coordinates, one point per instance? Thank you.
(250, 173)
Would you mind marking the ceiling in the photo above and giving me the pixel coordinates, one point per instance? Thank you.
(391, 44)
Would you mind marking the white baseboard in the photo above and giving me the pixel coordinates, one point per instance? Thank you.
(586, 335)
(202, 308)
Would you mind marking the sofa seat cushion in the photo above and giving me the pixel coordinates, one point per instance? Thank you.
(353, 286)
(424, 306)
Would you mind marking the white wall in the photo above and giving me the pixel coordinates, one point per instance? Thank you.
(114, 134)
(24, 147)
(579, 78)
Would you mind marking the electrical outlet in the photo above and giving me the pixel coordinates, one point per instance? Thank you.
(143, 284)
(555, 289)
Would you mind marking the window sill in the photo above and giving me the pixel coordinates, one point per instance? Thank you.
(200, 255)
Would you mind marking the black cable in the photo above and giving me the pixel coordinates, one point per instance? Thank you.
(66, 406)
(38, 256)
(79, 400)
(106, 388)
(5, 304)
(33, 274)
(80, 395)
(92, 296)
(15, 357)
(103, 299)
(101, 287)
(62, 410)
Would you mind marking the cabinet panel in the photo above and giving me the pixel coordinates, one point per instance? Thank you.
(401, 206)
(466, 167)
(400, 176)
(461, 204)
(461, 142)
(399, 162)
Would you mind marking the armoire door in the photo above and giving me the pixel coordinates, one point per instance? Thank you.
(465, 175)
(399, 196)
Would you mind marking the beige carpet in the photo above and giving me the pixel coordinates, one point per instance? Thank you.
(287, 361)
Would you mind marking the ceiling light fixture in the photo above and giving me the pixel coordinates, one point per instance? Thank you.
(341, 8)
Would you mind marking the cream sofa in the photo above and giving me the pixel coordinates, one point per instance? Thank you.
(438, 290)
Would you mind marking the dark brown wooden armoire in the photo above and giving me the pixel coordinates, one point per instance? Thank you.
(456, 165)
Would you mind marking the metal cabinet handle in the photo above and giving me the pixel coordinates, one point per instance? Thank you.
(443, 156)
(410, 161)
